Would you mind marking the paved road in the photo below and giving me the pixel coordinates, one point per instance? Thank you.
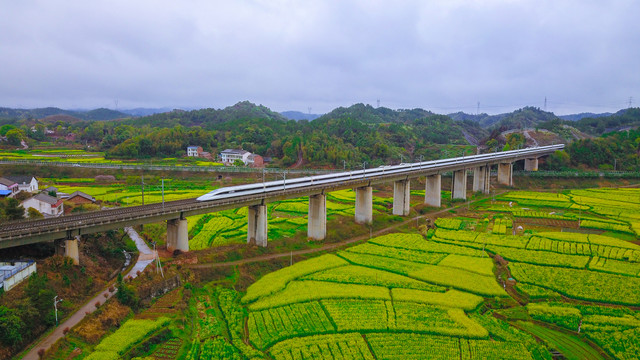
(145, 258)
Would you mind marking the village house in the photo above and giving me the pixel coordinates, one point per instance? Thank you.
(229, 156)
(50, 189)
(255, 161)
(78, 197)
(45, 204)
(25, 183)
(8, 187)
(194, 151)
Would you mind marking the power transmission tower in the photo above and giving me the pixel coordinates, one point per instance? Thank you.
(630, 101)
(309, 109)
(545, 103)
(378, 102)
(478, 108)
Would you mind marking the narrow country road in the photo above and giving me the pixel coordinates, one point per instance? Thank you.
(145, 258)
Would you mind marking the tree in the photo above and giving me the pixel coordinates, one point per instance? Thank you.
(34, 214)
(41, 295)
(11, 326)
(238, 162)
(559, 160)
(5, 128)
(125, 294)
(12, 210)
(15, 136)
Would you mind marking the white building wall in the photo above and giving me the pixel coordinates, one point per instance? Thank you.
(42, 207)
(18, 277)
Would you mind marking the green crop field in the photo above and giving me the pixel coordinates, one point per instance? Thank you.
(445, 293)
(92, 157)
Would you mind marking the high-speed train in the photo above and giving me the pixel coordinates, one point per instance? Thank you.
(295, 183)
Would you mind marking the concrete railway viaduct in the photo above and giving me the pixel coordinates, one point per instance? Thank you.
(66, 230)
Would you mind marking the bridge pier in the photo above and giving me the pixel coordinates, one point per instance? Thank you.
(68, 248)
(401, 196)
(364, 205)
(177, 235)
(317, 226)
(432, 193)
(481, 180)
(71, 249)
(257, 225)
(505, 171)
(459, 185)
(531, 164)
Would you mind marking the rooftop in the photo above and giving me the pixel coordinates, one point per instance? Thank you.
(6, 182)
(46, 198)
(20, 179)
(81, 194)
(235, 151)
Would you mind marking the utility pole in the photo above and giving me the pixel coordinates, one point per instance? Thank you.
(162, 193)
(142, 181)
(344, 164)
(364, 167)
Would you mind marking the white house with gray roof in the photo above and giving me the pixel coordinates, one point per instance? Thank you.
(229, 156)
(25, 183)
(45, 204)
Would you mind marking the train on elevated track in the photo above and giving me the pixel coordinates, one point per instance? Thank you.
(288, 184)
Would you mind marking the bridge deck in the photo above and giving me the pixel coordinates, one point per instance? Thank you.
(32, 231)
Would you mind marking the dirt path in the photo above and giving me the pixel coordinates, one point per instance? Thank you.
(145, 258)
(299, 161)
(323, 248)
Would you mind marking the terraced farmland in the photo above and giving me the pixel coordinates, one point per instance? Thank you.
(493, 286)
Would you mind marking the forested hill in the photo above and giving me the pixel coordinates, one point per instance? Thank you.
(527, 117)
(623, 119)
(207, 118)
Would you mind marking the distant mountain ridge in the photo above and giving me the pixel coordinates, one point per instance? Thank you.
(580, 116)
(298, 115)
(40, 113)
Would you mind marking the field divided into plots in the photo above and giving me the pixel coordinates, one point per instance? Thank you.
(407, 296)
(367, 303)
(440, 294)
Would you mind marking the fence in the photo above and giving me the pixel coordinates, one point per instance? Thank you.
(12, 273)
(580, 174)
(220, 169)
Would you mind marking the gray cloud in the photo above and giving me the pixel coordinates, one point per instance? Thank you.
(441, 55)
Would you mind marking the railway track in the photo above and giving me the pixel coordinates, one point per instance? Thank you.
(31, 231)
(102, 214)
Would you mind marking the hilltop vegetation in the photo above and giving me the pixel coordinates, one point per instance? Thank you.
(344, 137)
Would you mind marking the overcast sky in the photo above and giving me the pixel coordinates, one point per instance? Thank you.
(444, 56)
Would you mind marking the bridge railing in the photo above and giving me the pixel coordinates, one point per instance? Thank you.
(579, 174)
